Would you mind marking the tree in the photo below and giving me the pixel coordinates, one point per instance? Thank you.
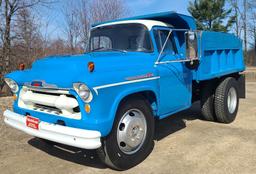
(107, 10)
(58, 47)
(237, 16)
(27, 39)
(85, 22)
(252, 31)
(72, 23)
(1, 34)
(245, 5)
(245, 26)
(10, 9)
(81, 15)
(100, 11)
(211, 15)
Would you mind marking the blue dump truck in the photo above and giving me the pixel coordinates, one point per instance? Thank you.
(134, 72)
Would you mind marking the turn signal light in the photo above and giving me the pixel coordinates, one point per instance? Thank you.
(21, 66)
(14, 97)
(91, 66)
(87, 108)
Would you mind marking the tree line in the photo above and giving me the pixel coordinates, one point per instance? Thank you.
(234, 16)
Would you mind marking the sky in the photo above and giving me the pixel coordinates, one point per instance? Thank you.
(136, 7)
(141, 7)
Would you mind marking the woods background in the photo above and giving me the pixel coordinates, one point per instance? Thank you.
(26, 27)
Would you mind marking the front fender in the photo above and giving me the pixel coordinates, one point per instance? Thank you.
(107, 101)
(128, 92)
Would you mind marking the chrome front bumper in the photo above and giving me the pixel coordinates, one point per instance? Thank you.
(85, 139)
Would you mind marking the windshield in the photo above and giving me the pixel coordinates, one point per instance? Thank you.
(121, 37)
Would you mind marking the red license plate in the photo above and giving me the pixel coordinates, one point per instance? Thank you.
(32, 122)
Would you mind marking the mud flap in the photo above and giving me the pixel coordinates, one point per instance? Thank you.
(241, 86)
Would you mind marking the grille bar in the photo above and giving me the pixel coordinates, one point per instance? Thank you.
(56, 102)
(48, 109)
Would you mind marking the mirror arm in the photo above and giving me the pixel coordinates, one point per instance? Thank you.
(162, 50)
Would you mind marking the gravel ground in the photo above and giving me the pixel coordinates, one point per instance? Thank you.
(184, 144)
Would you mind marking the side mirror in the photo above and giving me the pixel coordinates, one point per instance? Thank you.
(191, 45)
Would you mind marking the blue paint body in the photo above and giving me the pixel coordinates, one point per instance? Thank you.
(221, 54)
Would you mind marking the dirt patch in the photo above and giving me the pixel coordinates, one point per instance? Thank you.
(185, 144)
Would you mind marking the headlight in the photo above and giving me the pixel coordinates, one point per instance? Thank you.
(83, 91)
(12, 85)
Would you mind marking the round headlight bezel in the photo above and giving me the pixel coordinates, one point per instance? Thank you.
(12, 85)
(83, 91)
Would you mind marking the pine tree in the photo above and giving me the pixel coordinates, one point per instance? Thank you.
(211, 15)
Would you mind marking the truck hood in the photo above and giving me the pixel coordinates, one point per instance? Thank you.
(63, 71)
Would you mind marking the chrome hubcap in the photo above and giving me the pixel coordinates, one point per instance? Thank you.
(131, 132)
(232, 100)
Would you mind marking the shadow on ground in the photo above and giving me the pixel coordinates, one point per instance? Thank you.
(164, 128)
(176, 122)
(76, 155)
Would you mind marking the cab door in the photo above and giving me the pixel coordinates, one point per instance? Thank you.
(175, 84)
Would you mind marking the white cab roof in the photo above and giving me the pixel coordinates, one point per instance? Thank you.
(148, 23)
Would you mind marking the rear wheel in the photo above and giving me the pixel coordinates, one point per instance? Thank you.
(226, 100)
(207, 101)
(131, 139)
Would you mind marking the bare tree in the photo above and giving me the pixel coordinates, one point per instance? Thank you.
(81, 15)
(107, 10)
(1, 33)
(46, 32)
(245, 6)
(244, 22)
(252, 30)
(27, 37)
(10, 9)
(58, 47)
(84, 17)
(237, 14)
(73, 27)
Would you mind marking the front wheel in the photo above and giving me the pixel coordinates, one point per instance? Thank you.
(131, 139)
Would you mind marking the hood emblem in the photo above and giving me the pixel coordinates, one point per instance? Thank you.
(41, 84)
(37, 84)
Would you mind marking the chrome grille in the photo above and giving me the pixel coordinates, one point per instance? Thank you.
(51, 101)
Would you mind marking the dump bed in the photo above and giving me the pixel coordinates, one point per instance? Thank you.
(220, 54)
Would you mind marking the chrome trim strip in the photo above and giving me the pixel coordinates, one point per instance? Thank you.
(178, 60)
(162, 50)
(123, 83)
(49, 90)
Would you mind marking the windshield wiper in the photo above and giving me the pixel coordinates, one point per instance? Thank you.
(110, 49)
(96, 49)
(114, 49)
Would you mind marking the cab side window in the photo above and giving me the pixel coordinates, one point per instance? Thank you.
(160, 37)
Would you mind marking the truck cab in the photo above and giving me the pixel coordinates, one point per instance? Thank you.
(146, 38)
(134, 71)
